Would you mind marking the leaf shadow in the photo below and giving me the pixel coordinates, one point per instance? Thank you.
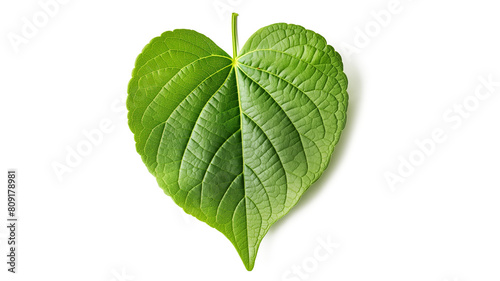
(354, 90)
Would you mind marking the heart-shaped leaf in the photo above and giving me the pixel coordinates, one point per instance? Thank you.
(235, 141)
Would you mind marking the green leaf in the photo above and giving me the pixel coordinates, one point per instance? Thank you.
(236, 141)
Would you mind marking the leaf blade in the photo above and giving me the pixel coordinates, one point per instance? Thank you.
(236, 142)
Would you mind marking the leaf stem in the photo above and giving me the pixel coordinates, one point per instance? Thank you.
(234, 30)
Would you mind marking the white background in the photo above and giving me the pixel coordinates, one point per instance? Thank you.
(106, 219)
